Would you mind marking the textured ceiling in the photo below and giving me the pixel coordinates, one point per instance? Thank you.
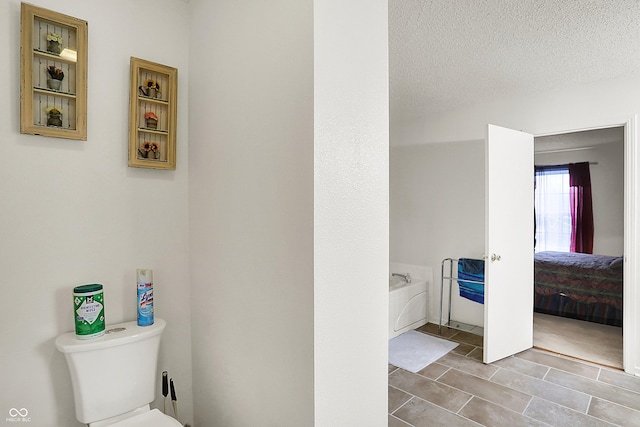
(446, 54)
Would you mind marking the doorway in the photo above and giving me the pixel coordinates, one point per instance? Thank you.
(604, 150)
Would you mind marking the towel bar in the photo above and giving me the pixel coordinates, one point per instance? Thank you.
(451, 279)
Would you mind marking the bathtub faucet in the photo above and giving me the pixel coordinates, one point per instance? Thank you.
(406, 277)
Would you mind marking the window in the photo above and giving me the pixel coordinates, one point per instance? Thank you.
(552, 209)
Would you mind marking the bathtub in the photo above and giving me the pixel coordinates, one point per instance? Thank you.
(408, 302)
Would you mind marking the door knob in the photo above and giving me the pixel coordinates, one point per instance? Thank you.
(495, 257)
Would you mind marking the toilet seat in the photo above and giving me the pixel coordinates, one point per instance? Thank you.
(151, 418)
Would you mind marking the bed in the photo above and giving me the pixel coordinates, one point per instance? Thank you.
(580, 286)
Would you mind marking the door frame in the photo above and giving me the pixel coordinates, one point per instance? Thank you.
(631, 287)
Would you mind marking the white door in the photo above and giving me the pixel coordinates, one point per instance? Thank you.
(508, 305)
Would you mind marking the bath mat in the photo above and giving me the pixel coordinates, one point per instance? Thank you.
(412, 351)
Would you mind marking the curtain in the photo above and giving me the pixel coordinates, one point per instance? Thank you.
(581, 208)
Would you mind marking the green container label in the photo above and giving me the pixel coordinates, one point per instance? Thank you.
(89, 314)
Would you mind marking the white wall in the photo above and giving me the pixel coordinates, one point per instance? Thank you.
(276, 291)
(74, 213)
(607, 187)
(251, 212)
(351, 220)
(437, 211)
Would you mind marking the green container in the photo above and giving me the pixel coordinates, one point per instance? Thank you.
(88, 310)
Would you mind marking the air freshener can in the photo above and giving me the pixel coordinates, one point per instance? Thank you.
(145, 296)
(88, 308)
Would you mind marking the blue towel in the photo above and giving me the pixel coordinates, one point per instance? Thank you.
(471, 279)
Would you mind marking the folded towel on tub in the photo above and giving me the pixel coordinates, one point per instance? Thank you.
(471, 279)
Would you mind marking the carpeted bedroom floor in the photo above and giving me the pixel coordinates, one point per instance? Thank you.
(589, 341)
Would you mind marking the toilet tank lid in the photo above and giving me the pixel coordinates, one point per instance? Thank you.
(117, 334)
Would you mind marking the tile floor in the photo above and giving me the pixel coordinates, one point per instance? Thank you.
(532, 388)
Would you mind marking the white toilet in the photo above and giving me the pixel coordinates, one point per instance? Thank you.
(114, 376)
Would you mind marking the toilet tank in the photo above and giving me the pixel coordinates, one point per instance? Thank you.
(115, 373)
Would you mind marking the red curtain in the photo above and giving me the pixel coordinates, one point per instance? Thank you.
(581, 208)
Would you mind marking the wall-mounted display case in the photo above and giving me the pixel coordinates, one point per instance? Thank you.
(152, 115)
(53, 84)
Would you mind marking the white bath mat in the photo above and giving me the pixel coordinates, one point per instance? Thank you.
(412, 351)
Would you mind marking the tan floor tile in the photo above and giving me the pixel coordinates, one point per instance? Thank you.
(561, 363)
(463, 349)
(544, 389)
(490, 414)
(523, 366)
(468, 365)
(432, 328)
(429, 390)
(424, 414)
(614, 413)
(620, 379)
(511, 399)
(397, 398)
(433, 371)
(467, 338)
(395, 422)
(557, 415)
(459, 385)
(595, 388)
(476, 354)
